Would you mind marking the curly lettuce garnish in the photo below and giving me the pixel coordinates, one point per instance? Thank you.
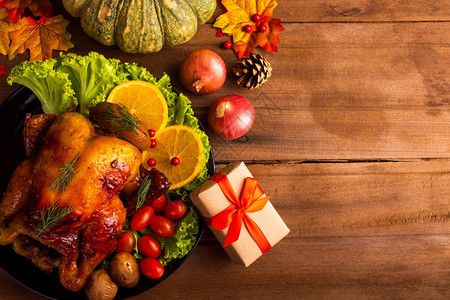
(63, 82)
(53, 88)
(93, 76)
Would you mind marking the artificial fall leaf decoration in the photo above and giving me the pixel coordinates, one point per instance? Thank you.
(41, 34)
(5, 27)
(250, 23)
(41, 37)
(15, 8)
(268, 39)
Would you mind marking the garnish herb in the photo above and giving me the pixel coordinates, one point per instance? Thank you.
(66, 176)
(121, 119)
(51, 216)
(142, 192)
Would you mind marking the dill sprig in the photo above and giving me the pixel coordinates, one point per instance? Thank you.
(66, 176)
(51, 216)
(121, 119)
(142, 192)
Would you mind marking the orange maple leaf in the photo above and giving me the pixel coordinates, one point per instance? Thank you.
(41, 37)
(15, 8)
(268, 39)
(5, 27)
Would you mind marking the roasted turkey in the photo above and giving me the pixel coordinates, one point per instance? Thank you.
(66, 194)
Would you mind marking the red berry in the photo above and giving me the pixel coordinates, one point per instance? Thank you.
(248, 28)
(151, 132)
(175, 161)
(256, 18)
(262, 28)
(153, 143)
(219, 33)
(151, 162)
(227, 45)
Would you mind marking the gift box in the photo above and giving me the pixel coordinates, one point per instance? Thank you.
(239, 213)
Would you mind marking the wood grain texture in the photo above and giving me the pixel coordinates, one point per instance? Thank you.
(304, 11)
(351, 91)
(357, 11)
(353, 81)
(357, 230)
(342, 268)
(338, 91)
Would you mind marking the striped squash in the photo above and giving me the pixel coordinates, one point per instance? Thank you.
(141, 26)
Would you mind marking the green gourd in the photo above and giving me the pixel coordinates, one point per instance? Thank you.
(141, 26)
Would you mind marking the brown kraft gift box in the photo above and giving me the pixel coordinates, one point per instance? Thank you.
(210, 200)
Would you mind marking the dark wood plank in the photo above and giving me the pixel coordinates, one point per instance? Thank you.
(357, 230)
(317, 268)
(357, 11)
(404, 267)
(338, 91)
(372, 91)
(320, 268)
(351, 91)
(360, 199)
(341, 11)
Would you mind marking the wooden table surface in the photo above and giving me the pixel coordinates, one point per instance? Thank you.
(352, 139)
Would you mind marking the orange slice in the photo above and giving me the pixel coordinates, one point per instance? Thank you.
(183, 143)
(144, 100)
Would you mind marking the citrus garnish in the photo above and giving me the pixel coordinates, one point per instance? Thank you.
(179, 154)
(144, 100)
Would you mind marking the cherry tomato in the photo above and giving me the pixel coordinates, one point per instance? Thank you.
(162, 226)
(149, 246)
(159, 204)
(151, 268)
(126, 243)
(175, 210)
(142, 218)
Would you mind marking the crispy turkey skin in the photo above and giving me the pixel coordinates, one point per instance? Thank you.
(101, 167)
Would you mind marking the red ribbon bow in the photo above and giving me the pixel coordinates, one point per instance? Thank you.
(236, 213)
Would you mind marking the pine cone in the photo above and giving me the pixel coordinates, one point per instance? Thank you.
(252, 71)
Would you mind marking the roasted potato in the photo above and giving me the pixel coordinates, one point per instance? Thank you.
(124, 270)
(100, 286)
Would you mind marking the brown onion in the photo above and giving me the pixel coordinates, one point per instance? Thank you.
(203, 72)
(231, 116)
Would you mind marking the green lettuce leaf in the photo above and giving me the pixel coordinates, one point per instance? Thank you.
(134, 72)
(53, 88)
(166, 89)
(183, 240)
(93, 76)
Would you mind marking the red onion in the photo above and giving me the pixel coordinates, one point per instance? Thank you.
(203, 72)
(231, 116)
